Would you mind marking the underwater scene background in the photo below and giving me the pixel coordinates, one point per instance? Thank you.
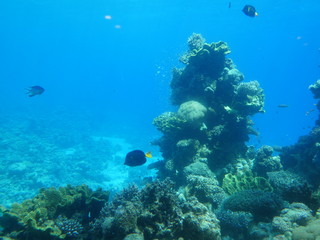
(227, 103)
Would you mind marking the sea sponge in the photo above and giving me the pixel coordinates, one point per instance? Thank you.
(192, 112)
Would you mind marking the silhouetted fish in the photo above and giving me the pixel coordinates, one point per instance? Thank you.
(283, 106)
(35, 90)
(136, 158)
(250, 11)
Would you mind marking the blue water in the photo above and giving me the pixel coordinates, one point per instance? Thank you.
(110, 77)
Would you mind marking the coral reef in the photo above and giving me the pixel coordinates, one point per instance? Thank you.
(53, 213)
(265, 162)
(156, 212)
(303, 157)
(212, 123)
(205, 189)
(210, 185)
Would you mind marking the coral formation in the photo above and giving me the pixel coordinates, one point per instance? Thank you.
(219, 188)
(262, 205)
(53, 213)
(315, 89)
(156, 212)
(206, 189)
(303, 157)
(265, 162)
(193, 113)
(212, 123)
(296, 214)
(291, 186)
(234, 223)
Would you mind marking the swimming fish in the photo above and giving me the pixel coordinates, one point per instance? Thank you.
(136, 158)
(35, 90)
(310, 111)
(283, 106)
(250, 11)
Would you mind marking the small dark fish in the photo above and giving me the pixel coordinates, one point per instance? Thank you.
(35, 90)
(229, 4)
(136, 158)
(283, 106)
(250, 11)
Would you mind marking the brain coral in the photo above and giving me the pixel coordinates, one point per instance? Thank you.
(193, 112)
